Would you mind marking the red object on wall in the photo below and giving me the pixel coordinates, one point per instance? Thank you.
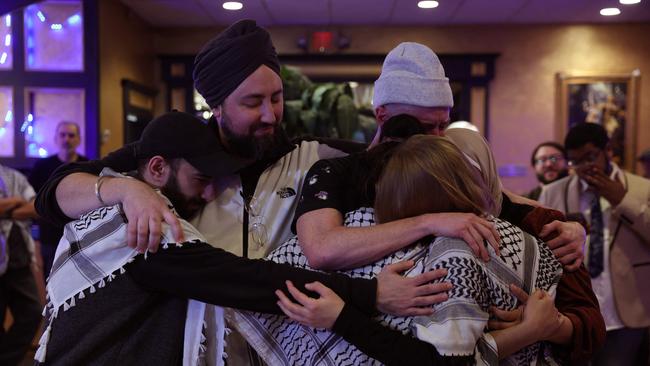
(322, 42)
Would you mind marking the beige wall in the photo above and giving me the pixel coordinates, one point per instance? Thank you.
(522, 95)
(125, 52)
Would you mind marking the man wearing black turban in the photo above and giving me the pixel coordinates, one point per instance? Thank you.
(240, 68)
(238, 73)
(228, 59)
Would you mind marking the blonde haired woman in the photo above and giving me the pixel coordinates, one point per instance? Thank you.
(437, 167)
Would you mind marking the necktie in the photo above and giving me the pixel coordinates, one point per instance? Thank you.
(596, 239)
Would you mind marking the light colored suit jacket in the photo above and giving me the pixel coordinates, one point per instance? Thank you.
(630, 249)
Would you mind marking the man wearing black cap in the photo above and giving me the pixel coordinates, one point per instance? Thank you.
(108, 304)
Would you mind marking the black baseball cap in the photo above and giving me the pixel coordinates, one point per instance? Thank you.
(182, 135)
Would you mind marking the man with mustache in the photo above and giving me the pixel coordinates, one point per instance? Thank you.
(549, 162)
(238, 74)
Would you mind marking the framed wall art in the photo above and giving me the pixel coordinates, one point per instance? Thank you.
(610, 100)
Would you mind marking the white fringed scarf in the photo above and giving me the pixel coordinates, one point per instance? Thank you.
(93, 251)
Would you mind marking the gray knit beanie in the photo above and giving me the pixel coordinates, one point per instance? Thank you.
(412, 74)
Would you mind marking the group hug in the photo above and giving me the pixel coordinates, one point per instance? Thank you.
(227, 243)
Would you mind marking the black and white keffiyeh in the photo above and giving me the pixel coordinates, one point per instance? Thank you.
(457, 326)
(93, 251)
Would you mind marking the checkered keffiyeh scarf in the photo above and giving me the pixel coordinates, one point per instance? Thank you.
(457, 326)
(93, 251)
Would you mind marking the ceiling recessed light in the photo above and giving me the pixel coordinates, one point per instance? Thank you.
(629, 2)
(233, 5)
(608, 12)
(427, 4)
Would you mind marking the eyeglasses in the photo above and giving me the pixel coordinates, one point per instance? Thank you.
(256, 226)
(554, 159)
(589, 158)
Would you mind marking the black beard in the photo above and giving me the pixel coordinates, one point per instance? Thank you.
(250, 146)
(185, 207)
(560, 175)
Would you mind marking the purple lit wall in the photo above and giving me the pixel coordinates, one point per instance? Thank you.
(6, 54)
(53, 42)
(54, 37)
(6, 93)
(6, 122)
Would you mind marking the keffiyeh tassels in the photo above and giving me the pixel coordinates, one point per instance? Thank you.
(93, 252)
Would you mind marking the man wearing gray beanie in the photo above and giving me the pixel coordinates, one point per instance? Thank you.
(413, 82)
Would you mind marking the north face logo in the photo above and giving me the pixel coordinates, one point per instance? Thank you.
(286, 192)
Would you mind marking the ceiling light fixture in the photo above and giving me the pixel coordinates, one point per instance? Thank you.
(608, 12)
(427, 4)
(232, 5)
(629, 2)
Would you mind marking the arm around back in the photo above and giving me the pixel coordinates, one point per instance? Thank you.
(328, 245)
(47, 204)
(71, 192)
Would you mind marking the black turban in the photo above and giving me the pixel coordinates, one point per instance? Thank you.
(231, 57)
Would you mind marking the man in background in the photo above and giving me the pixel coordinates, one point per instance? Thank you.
(615, 203)
(18, 292)
(549, 162)
(67, 138)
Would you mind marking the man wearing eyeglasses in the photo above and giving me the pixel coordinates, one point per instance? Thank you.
(616, 204)
(549, 162)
